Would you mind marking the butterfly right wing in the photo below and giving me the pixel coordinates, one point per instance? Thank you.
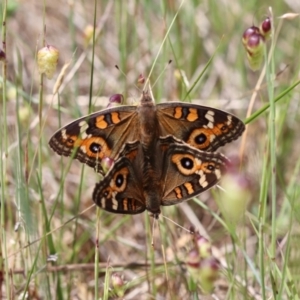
(202, 127)
(187, 172)
(97, 136)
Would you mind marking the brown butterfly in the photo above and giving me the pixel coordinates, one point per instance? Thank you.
(163, 153)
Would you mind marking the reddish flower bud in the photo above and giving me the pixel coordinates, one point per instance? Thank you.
(115, 100)
(193, 260)
(255, 50)
(254, 41)
(248, 32)
(265, 27)
(204, 246)
(118, 284)
(208, 273)
(141, 80)
(106, 164)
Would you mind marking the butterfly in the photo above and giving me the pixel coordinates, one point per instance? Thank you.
(163, 154)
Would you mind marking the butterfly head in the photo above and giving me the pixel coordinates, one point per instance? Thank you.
(146, 97)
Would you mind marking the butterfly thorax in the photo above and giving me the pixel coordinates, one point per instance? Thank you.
(149, 126)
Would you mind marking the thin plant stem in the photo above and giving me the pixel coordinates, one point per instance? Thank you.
(93, 57)
(3, 158)
(97, 251)
(272, 127)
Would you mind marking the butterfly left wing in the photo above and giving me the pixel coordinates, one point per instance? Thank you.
(204, 128)
(187, 172)
(120, 190)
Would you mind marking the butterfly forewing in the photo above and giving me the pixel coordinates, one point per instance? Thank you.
(202, 127)
(99, 135)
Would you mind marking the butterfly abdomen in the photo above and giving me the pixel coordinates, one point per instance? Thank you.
(151, 186)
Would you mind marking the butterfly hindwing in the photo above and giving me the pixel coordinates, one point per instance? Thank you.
(187, 172)
(120, 190)
(183, 172)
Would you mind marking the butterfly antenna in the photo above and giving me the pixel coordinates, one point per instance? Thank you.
(153, 229)
(163, 42)
(163, 251)
(164, 69)
(188, 230)
(123, 73)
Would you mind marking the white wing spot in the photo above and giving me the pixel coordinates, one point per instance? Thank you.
(212, 137)
(83, 126)
(210, 125)
(218, 173)
(84, 135)
(64, 134)
(114, 202)
(200, 173)
(203, 181)
(198, 161)
(229, 119)
(210, 116)
(103, 202)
